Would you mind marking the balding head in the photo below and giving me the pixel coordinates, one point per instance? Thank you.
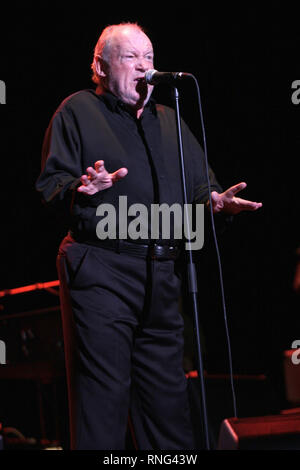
(122, 55)
(109, 36)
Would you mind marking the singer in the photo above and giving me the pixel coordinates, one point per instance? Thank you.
(123, 331)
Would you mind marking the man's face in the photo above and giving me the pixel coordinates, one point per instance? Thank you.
(131, 54)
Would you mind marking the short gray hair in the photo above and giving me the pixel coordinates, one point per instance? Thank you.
(103, 44)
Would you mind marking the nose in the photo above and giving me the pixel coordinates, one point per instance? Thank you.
(142, 64)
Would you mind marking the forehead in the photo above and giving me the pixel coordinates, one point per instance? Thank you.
(130, 38)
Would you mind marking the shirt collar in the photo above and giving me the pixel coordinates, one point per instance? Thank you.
(117, 105)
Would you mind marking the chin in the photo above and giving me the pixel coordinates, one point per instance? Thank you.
(137, 102)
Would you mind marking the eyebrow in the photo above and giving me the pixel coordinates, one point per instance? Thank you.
(133, 51)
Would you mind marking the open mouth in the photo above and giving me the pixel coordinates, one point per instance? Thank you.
(140, 83)
(140, 79)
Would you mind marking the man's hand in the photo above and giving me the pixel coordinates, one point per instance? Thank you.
(98, 178)
(228, 203)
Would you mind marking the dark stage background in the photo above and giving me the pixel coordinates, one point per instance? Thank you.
(245, 67)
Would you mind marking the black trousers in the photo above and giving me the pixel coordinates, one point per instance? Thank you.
(123, 338)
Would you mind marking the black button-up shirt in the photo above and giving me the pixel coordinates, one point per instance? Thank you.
(88, 127)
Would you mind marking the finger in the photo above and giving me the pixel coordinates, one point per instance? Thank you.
(236, 188)
(253, 206)
(85, 180)
(248, 205)
(81, 189)
(92, 174)
(84, 188)
(99, 166)
(119, 174)
(256, 205)
(90, 190)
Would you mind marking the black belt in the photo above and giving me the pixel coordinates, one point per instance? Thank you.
(153, 251)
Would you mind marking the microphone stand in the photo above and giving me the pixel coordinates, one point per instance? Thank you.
(192, 276)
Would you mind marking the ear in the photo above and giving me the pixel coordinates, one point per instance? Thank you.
(100, 66)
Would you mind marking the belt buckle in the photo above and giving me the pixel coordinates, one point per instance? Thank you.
(159, 252)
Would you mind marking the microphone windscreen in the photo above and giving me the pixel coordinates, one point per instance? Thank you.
(149, 75)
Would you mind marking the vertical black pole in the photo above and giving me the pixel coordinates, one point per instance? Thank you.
(192, 277)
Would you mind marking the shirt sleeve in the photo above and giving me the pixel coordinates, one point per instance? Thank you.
(62, 164)
(196, 153)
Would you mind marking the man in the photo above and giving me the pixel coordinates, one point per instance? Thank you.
(124, 293)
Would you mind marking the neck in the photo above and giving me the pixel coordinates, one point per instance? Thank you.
(135, 111)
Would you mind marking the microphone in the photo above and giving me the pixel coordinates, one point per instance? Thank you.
(153, 77)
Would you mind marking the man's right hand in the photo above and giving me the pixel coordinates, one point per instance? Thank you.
(98, 178)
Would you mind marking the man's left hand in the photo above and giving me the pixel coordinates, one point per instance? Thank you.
(227, 201)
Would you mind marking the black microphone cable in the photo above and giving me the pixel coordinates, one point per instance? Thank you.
(216, 247)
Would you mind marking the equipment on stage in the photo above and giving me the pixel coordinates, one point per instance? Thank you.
(280, 432)
(32, 378)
